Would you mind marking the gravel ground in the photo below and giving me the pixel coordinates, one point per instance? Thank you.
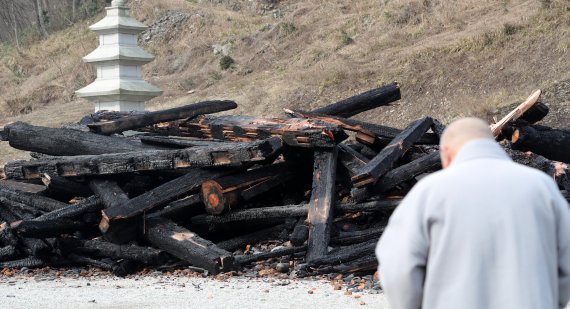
(161, 291)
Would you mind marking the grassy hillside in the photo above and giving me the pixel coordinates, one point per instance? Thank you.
(451, 58)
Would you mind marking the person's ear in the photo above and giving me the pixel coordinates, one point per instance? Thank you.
(446, 156)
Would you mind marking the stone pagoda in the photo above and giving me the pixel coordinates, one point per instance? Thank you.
(119, 85)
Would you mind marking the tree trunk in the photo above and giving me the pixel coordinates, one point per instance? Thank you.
(40, 18)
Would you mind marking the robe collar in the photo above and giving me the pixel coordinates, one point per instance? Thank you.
(479, 149)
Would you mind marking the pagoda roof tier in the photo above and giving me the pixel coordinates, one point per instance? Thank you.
(122, 89)
(131, 53)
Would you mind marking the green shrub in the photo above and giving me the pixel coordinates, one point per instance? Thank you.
(286, 29)
(509, 29)
(226, 62)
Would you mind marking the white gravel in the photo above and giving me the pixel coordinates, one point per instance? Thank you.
(177, 292)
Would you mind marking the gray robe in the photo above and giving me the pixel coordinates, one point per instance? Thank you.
(485, 233)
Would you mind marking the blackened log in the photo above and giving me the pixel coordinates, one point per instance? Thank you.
(251, 238)
(8, 253)
(355, 237)
(159, 196)
(377, 167)
(103, 249)
(90, 204)
(300, 233)
(229, 155)
(188, 246)
(346, 254)
(438, 128)
(559, 171)
(180, 141)
(366, 132)
(109, 192)
(382, 205)
(22, 186)
(183, 208)
(87, 261)
(294, 132)
(391, 179)
(62, 188)
(350, 159)
(33, 246)
(7, 237)
(21, 210)
(30, 199)
(535, 113)
(362, 102)
(225, 193)
(248, 259)
(138, 121)
(263, 214)
(66, 142)
(553, 144)
(366, 264)
(46, 229)
(321, 203)
(29, 262)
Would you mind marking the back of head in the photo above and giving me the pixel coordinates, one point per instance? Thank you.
(460, 132)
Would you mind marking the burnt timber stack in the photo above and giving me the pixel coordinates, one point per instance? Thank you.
(188, 188)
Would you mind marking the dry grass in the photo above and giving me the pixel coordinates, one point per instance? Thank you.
(452, 58)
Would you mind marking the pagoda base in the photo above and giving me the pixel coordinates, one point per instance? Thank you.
(119, 106)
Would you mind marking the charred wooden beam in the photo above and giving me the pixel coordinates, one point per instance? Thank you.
(366, 132)
(294, 132)
(366, 264)
(350, 159)
(30, 199)
(225, 193)
(391, 179)
(559, 171)
(139, 121)
(46, 229)
(103, 249)
(66, 142)
(252, 238)
(263, 214)
(321, 203)
(355, 237)
(377, 167)
(180, 141)
(159, 196)
(553, 144)
(8, 253)
(62, 188)
(362, 102)
(19, 209)
(188, 246)
(300, 233)
(29, 262)
(113, 196)
(186, 207)
(535, 113)
(248, 259)
(22, 186)
(346, 254)
(32, 246)
(90, 204)
(106, 164)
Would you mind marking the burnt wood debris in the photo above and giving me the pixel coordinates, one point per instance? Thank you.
(185, 188)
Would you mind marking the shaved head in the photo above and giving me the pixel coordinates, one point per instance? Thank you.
(460, 132)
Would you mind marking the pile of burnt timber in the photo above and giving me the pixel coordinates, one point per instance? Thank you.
(184, 188)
